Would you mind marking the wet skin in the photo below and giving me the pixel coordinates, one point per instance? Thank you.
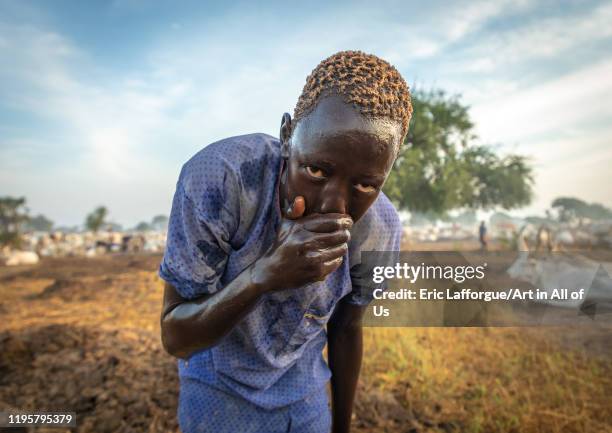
(336, 161)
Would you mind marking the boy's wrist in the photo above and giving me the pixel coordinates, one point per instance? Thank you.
(260, 276)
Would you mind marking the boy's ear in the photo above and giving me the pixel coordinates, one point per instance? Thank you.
(285, 134)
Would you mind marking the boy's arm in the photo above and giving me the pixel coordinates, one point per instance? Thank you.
(344, 352)
(320, 242)
(189, 326)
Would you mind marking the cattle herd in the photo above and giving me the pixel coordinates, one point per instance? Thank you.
(35, 245)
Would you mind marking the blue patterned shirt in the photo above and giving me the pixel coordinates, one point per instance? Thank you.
(225, 214)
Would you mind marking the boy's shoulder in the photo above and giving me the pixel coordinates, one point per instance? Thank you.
(234, 159)
(236, 150)
(383, 213)
(380, 227)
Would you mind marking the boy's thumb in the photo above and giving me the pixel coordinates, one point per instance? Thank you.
(297, 208)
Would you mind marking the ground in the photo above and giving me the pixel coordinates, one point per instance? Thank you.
(83, 334)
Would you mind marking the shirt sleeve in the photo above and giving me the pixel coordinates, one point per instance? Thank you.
(379, 246)
(199, 231)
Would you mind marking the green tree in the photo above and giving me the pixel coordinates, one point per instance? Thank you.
(538, 220)
(113, 226)
(423, 218)
(570, 208)
(39, 223)
(159, 222)
(96, 219)
(500, 218)
(13, 214)
(143, 226)
(467, 217)
(440, 168)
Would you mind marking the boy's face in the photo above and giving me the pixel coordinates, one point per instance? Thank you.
(339, 159)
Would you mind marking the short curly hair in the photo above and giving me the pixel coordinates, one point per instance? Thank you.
(370, 83)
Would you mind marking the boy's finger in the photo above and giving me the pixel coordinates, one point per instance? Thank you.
(297, 208)
(329, 254)
(327, 223)
(332, 265)
(319, 241)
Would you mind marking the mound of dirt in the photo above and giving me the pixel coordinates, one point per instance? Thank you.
(375, 408)
(383, 411)
(78, 267)
(115, 380)
(74, 289)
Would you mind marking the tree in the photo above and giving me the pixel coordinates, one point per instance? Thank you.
(96, 219)
(159, 222)
(113, 226)
(68, 229)
(439, 168)
(143, 226)
(570, 208)
(39, 223)
(466, 218)
(424, 218)
(538, 220)
(13, 214)
(501, 218)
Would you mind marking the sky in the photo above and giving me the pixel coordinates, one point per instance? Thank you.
(101, 102)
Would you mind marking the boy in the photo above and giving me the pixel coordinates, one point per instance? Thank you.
(263, 252)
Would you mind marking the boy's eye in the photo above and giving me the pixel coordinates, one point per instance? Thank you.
(365, 188)
(315, 172)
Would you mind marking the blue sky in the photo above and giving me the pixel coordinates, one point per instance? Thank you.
(102, 102)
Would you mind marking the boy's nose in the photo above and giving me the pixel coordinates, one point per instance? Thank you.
(334, 200)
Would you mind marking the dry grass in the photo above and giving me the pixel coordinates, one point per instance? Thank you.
(525, 380)
(413, 379)
(489, 380)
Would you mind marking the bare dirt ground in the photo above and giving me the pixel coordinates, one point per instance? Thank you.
(83, 335)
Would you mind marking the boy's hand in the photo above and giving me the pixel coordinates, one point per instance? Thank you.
(306, 249)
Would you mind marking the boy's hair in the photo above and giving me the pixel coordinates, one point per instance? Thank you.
(370, 83)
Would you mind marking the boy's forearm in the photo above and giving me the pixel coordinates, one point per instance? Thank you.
(345, 351)
(200, 324)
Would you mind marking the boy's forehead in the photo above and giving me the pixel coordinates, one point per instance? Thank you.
(332, 116)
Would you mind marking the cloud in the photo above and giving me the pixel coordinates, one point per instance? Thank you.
(563, 126)
(118, 135)
(546, 37)
(410, 37)
(107, 131)
(556, 105)
(586, 176)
